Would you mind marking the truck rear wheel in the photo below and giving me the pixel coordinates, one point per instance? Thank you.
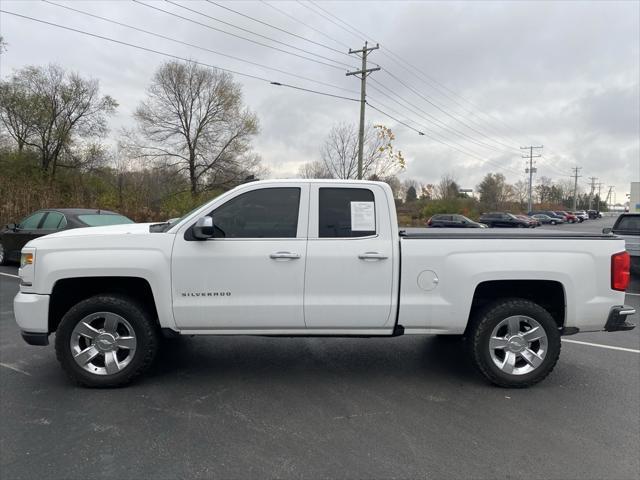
(106, 341)
(515, 343)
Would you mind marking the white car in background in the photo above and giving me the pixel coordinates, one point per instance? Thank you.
(581, 214)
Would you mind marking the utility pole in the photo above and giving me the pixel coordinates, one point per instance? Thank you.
(575, 187)
(608, 201)
(531, 170)
(364, 73)
(593, 188)
(599, 189)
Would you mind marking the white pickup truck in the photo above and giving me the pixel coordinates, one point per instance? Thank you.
(315, 257)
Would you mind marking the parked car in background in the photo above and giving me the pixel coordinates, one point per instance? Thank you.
(453, 221)
(547, 220)
(568, 216)
(503, 220)
(593, 214)
(533, 223)
(579, 218)
(627, 226)
(582, 215)
(43, 222)
(549, 213)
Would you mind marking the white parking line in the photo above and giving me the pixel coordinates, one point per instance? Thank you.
(9, 275)
(14, 368)
(610, 347)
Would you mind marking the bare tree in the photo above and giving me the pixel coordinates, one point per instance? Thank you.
(193, 120)
(520, 192)
(447, 188)
(47, 108)
(315, 169)
(380, 160)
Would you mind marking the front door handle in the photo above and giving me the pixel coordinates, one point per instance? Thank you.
(372, 256)
(288, 255)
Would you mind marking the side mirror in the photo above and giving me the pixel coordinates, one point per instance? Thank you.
(606, 230)
(12, 226)
(203, 229)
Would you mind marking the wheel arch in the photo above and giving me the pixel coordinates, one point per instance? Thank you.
(68, 292)
(549, 294)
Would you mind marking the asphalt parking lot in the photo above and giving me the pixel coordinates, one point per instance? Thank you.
(406, 407)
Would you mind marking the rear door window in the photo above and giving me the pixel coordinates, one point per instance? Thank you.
(54, 221)
(31, 222)
(346, 212)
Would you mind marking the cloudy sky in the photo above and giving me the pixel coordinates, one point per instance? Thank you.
(483, 77)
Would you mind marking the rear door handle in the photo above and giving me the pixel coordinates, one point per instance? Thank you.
(288, 255)
(372, 256)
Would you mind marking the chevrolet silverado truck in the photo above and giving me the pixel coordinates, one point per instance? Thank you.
(315, 258)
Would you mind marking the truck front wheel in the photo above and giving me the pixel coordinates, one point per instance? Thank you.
(515, 343)
(106, 341)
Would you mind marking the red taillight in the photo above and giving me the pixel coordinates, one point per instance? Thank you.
(620, 263)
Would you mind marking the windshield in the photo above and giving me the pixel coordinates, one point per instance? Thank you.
(100, 220)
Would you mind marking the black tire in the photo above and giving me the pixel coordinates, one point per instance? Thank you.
(483, 326)
(146, 334)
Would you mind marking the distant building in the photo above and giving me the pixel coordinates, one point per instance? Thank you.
(634, 199)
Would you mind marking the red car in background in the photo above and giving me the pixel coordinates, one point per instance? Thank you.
(568, 217)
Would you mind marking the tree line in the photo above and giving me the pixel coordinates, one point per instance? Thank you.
(191, 139)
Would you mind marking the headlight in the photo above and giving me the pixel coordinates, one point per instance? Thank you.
(27, 266)
(26, 259)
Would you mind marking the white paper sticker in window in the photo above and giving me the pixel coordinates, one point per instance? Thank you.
(363, 217)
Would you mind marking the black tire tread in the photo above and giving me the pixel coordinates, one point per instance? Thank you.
(485, 316)
(150, 331)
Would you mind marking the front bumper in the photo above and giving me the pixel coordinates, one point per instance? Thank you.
(618, 319)
(32, 316)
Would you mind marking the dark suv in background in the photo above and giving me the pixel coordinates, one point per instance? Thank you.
(453, 221)
(504, 220)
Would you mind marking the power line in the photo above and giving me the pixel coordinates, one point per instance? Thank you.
(158, 35)
(435, 105)
(257, 34)
(431, 135)
(278, 28)
(304, 24)
(428, 117)
(305, 5)
(238, 36)
(424, 77)
(177, 57)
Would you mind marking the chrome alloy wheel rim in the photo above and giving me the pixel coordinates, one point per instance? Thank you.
(518, 345)
(103, 343)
